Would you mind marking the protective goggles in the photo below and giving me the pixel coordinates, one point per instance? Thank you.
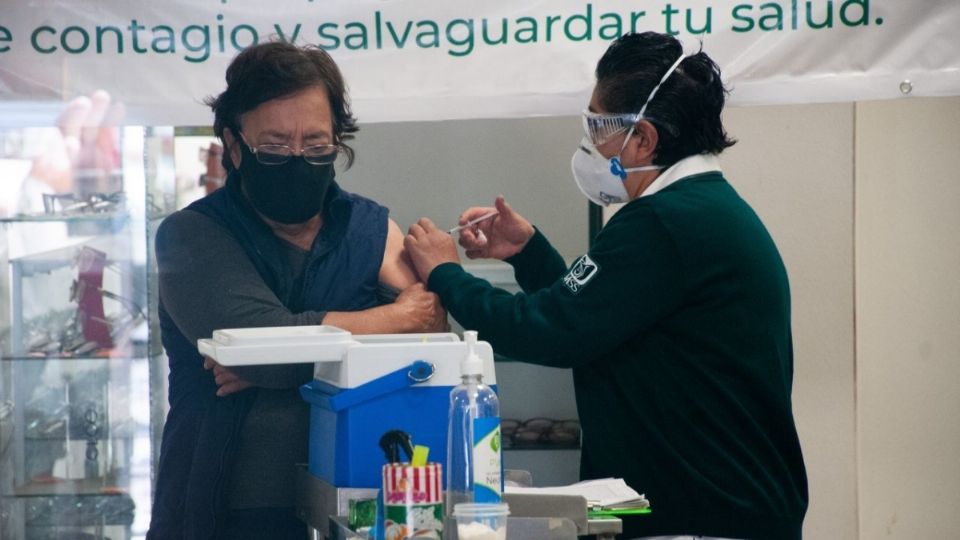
(600, 128)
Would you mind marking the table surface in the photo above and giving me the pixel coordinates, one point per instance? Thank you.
(323, 507)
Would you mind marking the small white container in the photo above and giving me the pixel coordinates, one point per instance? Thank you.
(481, 521)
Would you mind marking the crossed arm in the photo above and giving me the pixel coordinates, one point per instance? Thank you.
(207, 282)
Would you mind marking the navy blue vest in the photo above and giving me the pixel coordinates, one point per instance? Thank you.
(201, 432)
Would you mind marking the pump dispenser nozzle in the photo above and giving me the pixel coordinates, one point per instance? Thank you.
(472, 364)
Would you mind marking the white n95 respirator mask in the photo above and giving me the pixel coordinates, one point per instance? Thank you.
(591, 172)
(599, 178)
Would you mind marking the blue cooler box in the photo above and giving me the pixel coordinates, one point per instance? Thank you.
(383, 382)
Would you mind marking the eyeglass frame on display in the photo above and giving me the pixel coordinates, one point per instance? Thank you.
(95, 203)
(543, 432)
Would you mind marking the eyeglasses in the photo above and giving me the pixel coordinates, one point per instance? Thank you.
(600, 128)
(540, 431)
(278, 154)
(73, 204)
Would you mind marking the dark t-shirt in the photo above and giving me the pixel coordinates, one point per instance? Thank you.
(274, 435)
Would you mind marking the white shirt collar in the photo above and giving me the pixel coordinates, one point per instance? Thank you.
(688, 166)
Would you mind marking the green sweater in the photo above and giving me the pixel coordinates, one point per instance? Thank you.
(676, 324)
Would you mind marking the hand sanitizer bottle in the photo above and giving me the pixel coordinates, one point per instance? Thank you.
(473, 437)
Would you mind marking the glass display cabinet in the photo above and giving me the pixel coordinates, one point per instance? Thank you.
(78, 347)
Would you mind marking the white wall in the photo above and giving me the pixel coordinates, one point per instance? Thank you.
(438, 169)
(908, 318)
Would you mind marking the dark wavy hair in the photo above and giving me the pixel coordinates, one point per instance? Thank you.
(686, 109)
(277, 69)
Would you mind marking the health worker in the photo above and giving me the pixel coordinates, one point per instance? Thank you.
(676, 322)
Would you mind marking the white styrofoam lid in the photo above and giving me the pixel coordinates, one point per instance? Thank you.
(276, 345)
(302, 334)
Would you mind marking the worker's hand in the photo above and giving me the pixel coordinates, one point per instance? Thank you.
(420, 309)
(227, 381)
(499, 238)
(429, 247)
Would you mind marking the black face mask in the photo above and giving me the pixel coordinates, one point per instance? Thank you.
(289, 193)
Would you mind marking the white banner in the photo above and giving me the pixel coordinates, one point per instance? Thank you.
(449, 59)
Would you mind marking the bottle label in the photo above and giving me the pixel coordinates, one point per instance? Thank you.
(486, 460)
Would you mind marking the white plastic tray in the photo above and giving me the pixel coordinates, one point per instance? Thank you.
(277, 345)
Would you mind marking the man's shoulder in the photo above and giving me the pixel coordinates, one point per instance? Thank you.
(189, 219)
(187, 227)
(359, 212)
(357, 200)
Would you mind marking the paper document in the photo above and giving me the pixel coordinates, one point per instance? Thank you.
(601, 493)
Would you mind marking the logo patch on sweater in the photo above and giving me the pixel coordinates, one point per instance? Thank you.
(581, 273)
